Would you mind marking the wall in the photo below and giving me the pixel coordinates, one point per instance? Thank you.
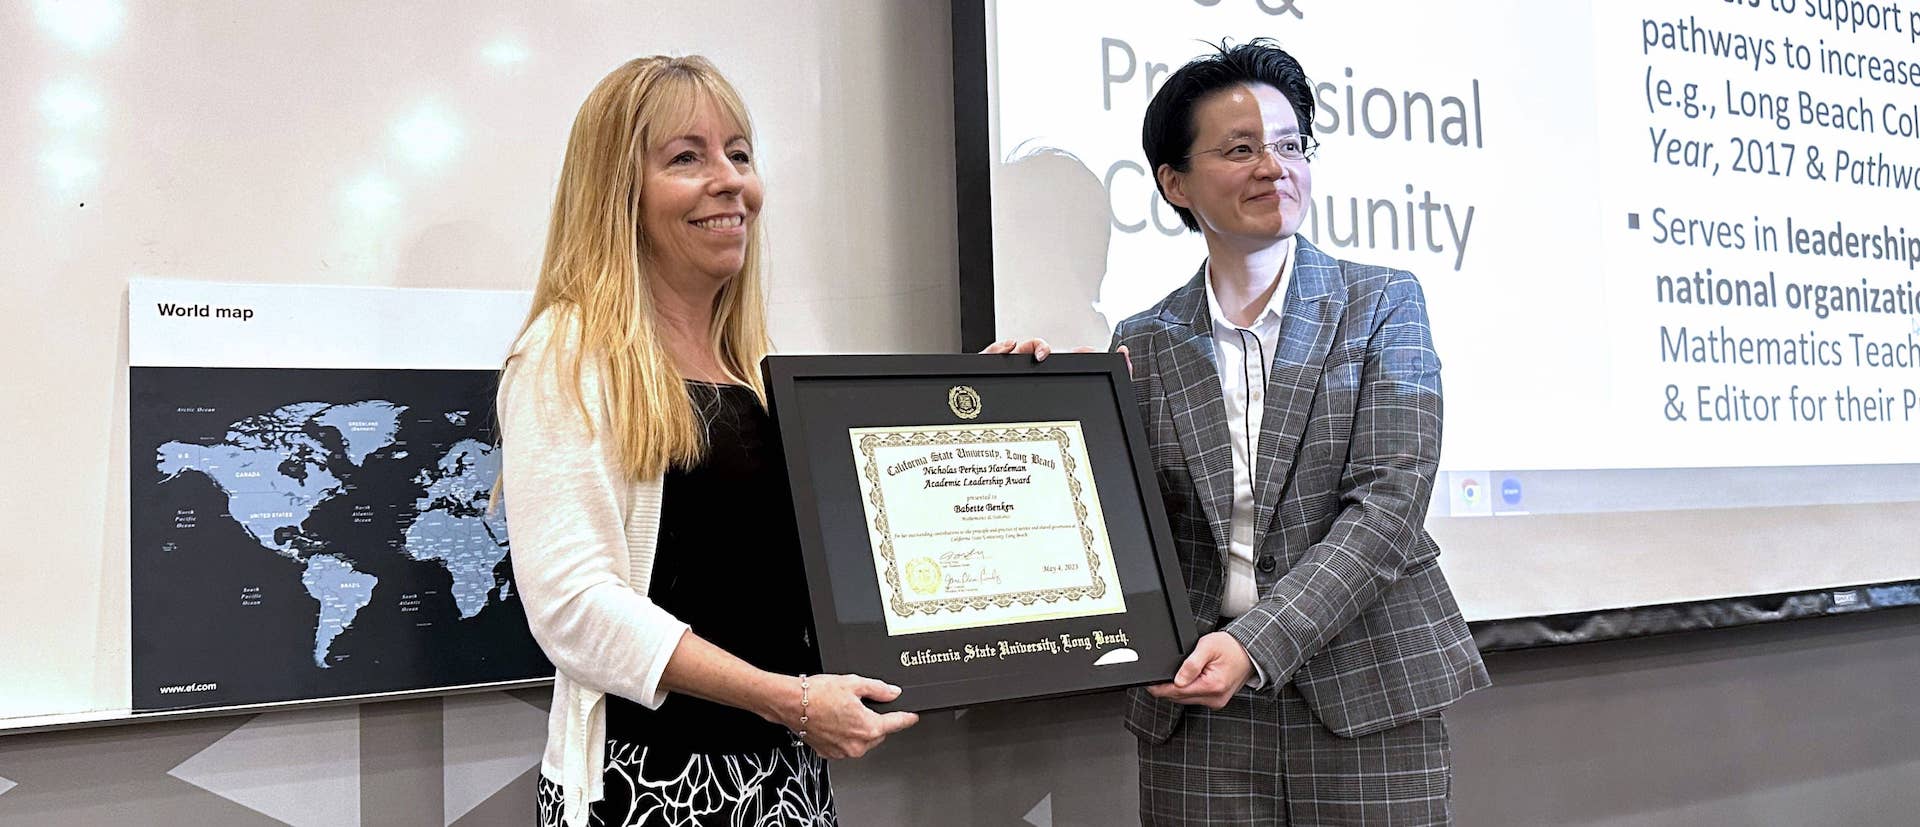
(1804, 723)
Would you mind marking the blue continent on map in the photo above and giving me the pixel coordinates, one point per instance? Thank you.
(342, 592)
(455, 525)
(272, 471)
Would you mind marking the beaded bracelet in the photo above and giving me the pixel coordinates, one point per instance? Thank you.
(800, 736)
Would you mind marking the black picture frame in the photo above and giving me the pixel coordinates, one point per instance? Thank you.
(816, 400)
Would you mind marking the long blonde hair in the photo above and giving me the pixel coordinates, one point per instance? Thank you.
(596, 265)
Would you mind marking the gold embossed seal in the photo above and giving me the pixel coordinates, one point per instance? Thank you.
(923, 575)
(964, 402)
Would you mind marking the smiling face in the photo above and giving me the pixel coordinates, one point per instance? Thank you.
(1250, 205)
(699, 196)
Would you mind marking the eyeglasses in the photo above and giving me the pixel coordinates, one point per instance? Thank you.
(1289, 148)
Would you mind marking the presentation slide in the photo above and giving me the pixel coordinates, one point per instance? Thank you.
(1669, 249)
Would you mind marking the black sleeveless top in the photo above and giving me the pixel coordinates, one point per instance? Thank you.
(727, 562)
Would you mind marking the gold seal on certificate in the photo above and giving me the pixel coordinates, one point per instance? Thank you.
(984, 525)
(923, 576)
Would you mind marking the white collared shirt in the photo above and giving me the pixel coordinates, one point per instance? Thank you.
(1244, 357)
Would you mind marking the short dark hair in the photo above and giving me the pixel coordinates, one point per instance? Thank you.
(1167, 132)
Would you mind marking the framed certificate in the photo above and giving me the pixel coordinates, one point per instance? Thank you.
(980, 528)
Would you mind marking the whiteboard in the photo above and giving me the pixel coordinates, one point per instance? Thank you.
(362, 144)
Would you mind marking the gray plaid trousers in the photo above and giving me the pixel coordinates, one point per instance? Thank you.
(1266, 760)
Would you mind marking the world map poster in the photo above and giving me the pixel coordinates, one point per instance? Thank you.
(302, 533)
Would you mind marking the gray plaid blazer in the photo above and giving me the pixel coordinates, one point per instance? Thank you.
(1353, 609)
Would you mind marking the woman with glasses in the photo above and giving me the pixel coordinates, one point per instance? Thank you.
(653, 530)
(1293, 404)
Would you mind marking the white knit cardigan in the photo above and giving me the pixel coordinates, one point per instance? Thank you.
(583, 542)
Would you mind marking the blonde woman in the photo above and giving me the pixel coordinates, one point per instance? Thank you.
(653, 533)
